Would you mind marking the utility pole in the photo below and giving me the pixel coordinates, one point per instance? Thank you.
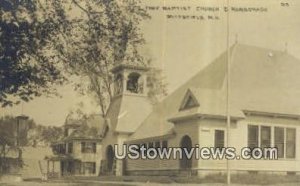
(228, 119)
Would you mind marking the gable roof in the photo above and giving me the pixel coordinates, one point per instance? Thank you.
(261, 80)
(213, 104)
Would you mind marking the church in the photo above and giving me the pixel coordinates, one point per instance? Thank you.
(264, 111)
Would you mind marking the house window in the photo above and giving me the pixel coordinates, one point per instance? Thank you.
(62, 148)
(88, 147)
(70, 148)
(219, 138)
(290, 143)
(252, 136)
(89, 167)
(164, 144)
(279, 141)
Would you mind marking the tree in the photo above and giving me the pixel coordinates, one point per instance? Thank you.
(107, 34)
(84, 38)
(27, 67)
(51, 134)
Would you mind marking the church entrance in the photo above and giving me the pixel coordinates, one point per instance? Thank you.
(185, 162)
(110, 158)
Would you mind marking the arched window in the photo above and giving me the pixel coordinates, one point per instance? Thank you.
(134, 83)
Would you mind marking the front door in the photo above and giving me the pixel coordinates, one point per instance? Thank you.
(185, 162)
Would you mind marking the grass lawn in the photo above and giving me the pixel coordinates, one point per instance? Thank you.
(242, 179)
(217, 179)
(39, 183)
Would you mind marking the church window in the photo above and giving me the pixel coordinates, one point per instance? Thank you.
(189, 101)
(290, 143)
(265, 136)
(284, 139)
(279, 141)
(252, 136)
(219, 138)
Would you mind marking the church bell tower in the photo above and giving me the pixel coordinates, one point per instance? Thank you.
(128, 109)
(130, 80)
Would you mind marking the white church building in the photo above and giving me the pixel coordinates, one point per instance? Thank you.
(264, 109)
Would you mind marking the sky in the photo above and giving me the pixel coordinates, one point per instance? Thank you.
(182, 48)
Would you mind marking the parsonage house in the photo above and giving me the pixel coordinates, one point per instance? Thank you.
(79, 151)
(264, 109)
